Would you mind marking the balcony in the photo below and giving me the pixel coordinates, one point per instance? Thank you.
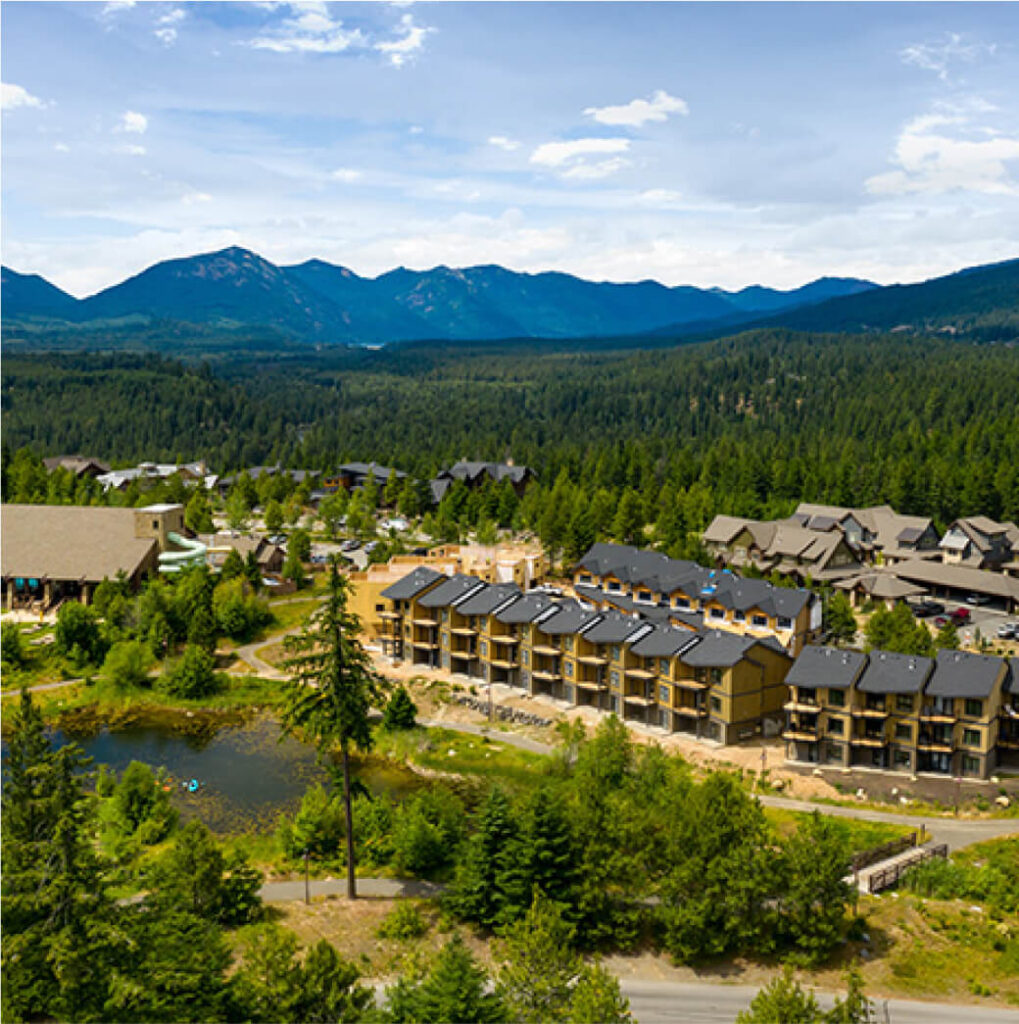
(464, 631)
(425, 623)
(501, 663)
(935, 714)
(639, 698)
(639, 673)
(547, 651)
(802, 705)
(593, 659)
(868, 741)
(691, 684)
(937, 744)
(464, 655)
(871, 712)
(504, 638)
(691, 712)
(550, 677)
(390, 615)
(591, 684)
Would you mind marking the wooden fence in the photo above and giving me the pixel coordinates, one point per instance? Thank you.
(865, 858)
(889, 876)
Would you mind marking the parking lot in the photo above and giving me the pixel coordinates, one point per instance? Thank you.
(982, 617)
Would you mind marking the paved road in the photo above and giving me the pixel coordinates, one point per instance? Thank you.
(286, 892)
(956, 832)
(665, 1002)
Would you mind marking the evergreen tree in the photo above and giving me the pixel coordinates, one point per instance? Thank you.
(839, 620)
(273, 517)
(400, 712)
(782, 1001)
(597, 999)
(198, 513)
(628, 524)
(233, 565)
(475, 894)
(328, 700)
(453, 990)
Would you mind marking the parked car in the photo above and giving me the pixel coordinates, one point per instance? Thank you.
(277, 538)
(370, 546)
(924, 609)
(978, 599)
(350, 545)
(960, 615)
(1008, 630)
(941, 621)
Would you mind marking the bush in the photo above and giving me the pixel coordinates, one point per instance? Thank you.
(318, 826)
(192, 676)
(127, 664)
(77, 634)
(403, 922)
(12, 646)
(400, 712)
(239, 614)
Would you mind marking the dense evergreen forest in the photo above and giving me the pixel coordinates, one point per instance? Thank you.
(748, 425)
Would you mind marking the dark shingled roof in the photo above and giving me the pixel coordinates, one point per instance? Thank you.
(527, 609)
(663, 642)
(484, 602)
(958, 674)
(895, 673)
(412, 584)
(447, 593)
(1012, 679)
(570, 617)
(614, 628)
(827, 667)
(719, 649)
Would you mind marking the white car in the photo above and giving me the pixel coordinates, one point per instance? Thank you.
(1008, 631)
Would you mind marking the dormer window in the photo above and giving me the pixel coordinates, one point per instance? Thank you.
(760, 621)
(716, 613)
(681, 602)
(784, 622)
(613, 586)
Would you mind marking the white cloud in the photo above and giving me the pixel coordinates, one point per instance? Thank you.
(14, 96)
(502, 142)
(60, 147)
(412, 39)
(584, 171)
(570, 158)
(938, 57)
(194, 198)
(347, 175)
(415, 129)
(309, 29)
(638, 112)
(166, 35)
(131, 150)
(133, 123)
(174, 17)
(663, 197)
(555, 154)
(945, 152)
(116, 6)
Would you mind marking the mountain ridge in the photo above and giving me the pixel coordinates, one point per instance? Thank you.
(317, 301)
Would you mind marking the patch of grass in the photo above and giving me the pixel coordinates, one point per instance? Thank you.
(443, 750)
(860, 835)
(286, 614)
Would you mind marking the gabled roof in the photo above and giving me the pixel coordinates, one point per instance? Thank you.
(827, 667)
(570, 617)
(887, 672)
(414, 583)
(455, 588)
(486, 600)
(959, 674)
(663, 642)
(961, 577)
(720, 649)
(724, 529)
(525, 609)
(614, 628)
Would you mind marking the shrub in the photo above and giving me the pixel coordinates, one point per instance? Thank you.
(403, 922)
(12, 646)
(400, 711)
(317, 827)
(77, 633)
(192, 676)
(127, 664)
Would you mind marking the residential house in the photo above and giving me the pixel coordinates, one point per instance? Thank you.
(980, 543)
(78, 465)
(458, 633)
(403, 627)
(877, 534)
(818, 721)
(476, 474)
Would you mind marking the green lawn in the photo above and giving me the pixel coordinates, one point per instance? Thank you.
(860, 835)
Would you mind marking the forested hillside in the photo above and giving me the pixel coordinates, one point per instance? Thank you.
(749, 425)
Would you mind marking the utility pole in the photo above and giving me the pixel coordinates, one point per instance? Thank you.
(307, 882)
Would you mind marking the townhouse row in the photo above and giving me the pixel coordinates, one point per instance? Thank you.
(954, 715)
(716, 684)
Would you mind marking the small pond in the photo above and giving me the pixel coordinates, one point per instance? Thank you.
(247, 775)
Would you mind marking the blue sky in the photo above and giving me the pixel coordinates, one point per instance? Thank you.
(699, 144)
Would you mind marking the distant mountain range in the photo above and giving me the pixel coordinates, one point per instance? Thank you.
(319, 302)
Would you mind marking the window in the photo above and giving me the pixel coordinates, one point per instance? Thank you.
(834, 751)
(615, 653)
(738, 616)
(613, 586)
(716, 613)
(614, 705)
(680, 602)
(974, 708)
(716, 704)
(663, 666)
(901, 758)
(837, 698)
(568, 694)
(903, 731)
(971, 737)
(904, 702)
(568, 668)
(614, 677)
(836, 726)
(759, 620)
(664, 694)
(567, 643)
(715, 675)
(380, 607)
(585, 577)
(484, 648)
(971, 766)
(784, 622)
(525, 657)
(445, 640)
(644, 595)
(155, 524)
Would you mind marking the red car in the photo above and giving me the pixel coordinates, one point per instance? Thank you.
(960, 615)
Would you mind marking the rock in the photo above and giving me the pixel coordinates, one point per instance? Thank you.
(895, 790)
(903, 800)
(817, 772)
(1002, 801)
(189, 714)
(861, 794)
(451, 752)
